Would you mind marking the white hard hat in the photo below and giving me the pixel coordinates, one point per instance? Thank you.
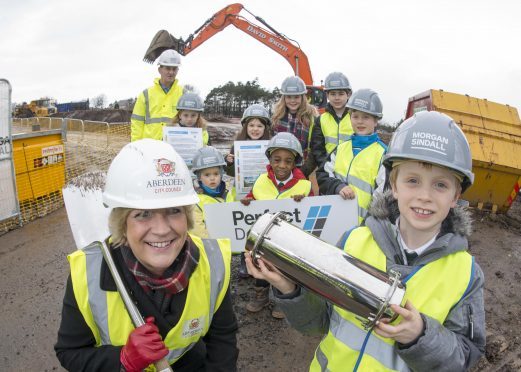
(148, 174)
(169, 58)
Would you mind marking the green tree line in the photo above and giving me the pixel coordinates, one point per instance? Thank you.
(231, 99)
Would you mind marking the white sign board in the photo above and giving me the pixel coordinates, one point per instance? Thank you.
(185, 140)
(250, 163)
(326, 217)
(8, 199)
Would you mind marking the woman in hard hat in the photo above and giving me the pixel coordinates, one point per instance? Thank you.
(256, 125)
(418, 230)
(179, 283)
(190, 109)
(282, 180)
(293, 114)
(208, 166)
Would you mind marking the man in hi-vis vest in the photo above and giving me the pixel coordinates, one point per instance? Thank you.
(418, 229)
(156, 106)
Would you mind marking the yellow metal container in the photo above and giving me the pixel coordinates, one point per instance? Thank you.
(494, 134)
(39, 161)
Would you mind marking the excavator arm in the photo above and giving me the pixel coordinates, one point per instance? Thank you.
(287, 48)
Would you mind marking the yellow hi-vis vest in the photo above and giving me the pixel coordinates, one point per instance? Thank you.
(207, 199)
(199, 215)
(434, 289)
(105, 313)
(359, 172)
(335, 134)
(264, 189)
(153, 110)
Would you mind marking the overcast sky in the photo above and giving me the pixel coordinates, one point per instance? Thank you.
(77, 49)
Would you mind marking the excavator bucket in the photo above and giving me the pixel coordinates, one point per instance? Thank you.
(163, 40)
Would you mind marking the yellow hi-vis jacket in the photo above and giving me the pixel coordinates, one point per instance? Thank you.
(359, 172)
(434, 289)
(199, 228)
(105, 313)
(153, 110)
(335, 134)
(264, 189)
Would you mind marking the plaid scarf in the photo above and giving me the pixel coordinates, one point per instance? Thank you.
(174, 279)
(290, 123)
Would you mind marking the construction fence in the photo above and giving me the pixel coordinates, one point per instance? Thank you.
(49, 152)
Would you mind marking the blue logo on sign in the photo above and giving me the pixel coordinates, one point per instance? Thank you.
(316, 219)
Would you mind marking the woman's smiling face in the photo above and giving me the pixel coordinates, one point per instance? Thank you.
(156, 236)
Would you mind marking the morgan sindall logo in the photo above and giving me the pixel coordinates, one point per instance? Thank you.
(316, 219)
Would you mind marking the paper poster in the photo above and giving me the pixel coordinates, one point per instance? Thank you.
(185, 140)
(250, 163)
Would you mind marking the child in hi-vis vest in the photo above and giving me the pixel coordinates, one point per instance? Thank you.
(208, 165)
(333, 127)
(418, 229)
(256, 126)
(355, 167)
(282, 180)
(190, 109)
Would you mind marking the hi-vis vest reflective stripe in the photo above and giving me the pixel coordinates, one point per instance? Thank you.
(335, 134)
(207, 199)
(359, 172)
(434, 289)
(264, 189)
(105, 313)
(155, 109)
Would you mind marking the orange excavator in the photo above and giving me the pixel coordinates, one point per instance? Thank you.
(280, 43)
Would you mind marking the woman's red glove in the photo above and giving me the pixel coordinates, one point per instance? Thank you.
(144, 347)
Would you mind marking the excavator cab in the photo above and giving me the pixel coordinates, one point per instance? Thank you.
(317, 97)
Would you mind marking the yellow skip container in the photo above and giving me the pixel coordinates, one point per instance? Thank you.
(39, 161)
(494, 134)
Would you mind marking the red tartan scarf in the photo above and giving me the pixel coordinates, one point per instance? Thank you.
(174, 279)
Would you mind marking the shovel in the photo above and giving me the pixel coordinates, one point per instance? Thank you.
(89, 223)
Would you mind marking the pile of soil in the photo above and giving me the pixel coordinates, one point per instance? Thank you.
(106, 115)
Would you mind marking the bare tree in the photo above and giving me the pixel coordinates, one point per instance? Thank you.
(99, 101)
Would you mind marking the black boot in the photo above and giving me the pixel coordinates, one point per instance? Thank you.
(243, 271)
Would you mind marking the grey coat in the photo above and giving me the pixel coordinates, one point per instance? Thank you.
(442, 347)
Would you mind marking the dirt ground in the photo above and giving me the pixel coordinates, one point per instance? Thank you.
(33, 272)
